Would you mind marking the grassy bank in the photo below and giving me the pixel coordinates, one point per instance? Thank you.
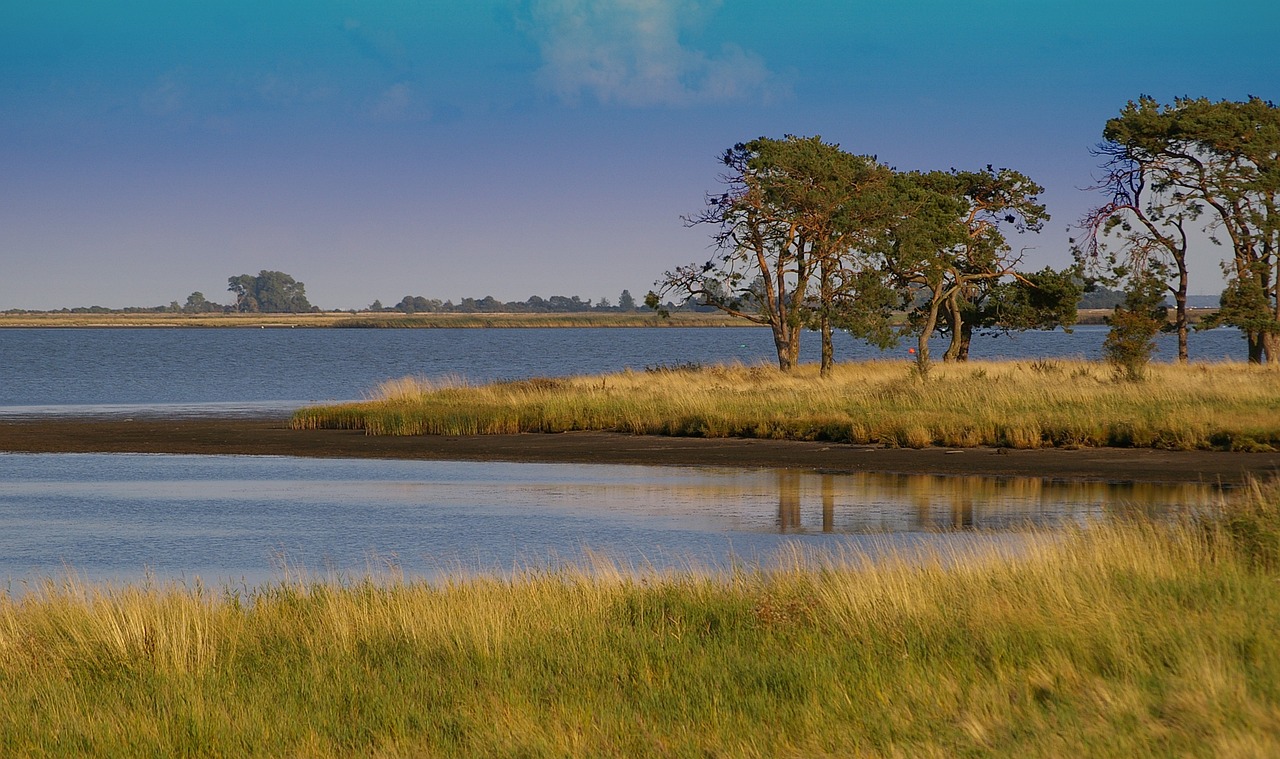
(1129, 639)
(1016, 404)
(346, 319)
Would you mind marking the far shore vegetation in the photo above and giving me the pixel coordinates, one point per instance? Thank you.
(369, 320)
(84, 318)
(1134, 637)
(1016, 404)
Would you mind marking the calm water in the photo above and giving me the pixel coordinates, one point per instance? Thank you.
(238, 519)
(233, 519)
(229, 370)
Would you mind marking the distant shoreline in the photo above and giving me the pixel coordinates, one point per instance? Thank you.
(396, 320)
(346, 319)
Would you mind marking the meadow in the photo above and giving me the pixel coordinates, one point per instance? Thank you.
(1127, 639)
(1016, 404)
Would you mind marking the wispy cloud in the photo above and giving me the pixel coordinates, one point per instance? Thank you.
(630, 52)
(168, 95)
(398, 103)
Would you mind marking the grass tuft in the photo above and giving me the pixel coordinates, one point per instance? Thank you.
(1052, 403)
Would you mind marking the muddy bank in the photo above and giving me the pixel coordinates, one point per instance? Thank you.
(272, 437)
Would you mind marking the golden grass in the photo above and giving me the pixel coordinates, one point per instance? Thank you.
(1124, 639)
(1018, 404)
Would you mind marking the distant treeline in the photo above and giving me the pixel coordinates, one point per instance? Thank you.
(555, 304)
(1102, 297)
(1098, 297)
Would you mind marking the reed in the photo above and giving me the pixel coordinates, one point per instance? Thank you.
(1124, 639)
(1017, 404)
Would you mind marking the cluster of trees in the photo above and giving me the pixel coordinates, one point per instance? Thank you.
(809, 236)
(268, 292)
(488, 304)
(1173, 173)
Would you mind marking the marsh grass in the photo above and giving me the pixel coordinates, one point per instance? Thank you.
(1131, 638)
(1051, 403)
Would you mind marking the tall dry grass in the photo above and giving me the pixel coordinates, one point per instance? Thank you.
(1022, 404)
(1126, 639)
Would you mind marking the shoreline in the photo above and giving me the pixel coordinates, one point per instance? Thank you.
(368, 320)
(258, 436)
(640, 318)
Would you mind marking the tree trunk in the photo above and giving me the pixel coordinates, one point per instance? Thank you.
(1180, 312)
(828, 351)
(1271, 347)
(826, 304)
(1270, 340)
(926, 330)
(1254, 339)
(954, 321)
(966, 337)
(786, 339)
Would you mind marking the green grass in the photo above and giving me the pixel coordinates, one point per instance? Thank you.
(1022, 404)
(1128, 639)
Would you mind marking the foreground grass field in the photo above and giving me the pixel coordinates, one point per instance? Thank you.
(1025, 404)
(1128, 640)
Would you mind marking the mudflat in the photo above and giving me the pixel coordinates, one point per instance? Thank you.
(256, 436)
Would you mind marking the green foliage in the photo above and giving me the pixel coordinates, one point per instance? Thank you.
(791, 212)
(269, 292)
(1194, 164)
(1046, 299)
(1131, 341)
(810, 236)
(1245, 305)
(948, 251)
(196, 304)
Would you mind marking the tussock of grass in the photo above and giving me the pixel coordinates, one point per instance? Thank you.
(1033, 404)
(1128, 639)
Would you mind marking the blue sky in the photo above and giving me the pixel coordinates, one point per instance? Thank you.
(381, 148)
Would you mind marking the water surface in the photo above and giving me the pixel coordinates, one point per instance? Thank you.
(256, 371)
(242, 519)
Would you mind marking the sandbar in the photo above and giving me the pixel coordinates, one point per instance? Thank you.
(272, 437)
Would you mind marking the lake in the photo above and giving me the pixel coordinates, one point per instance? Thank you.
(45, 371)
(243, 520)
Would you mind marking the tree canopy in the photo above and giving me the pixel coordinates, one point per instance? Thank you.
(808, 235)
(269, 292)
(1194, 165)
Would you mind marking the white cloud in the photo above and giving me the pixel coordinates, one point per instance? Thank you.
(629, 52)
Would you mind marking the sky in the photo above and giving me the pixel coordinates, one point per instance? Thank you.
(380, 148)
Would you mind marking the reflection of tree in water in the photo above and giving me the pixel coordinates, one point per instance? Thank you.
(788, 500)
(898, 502)
(828, 503)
